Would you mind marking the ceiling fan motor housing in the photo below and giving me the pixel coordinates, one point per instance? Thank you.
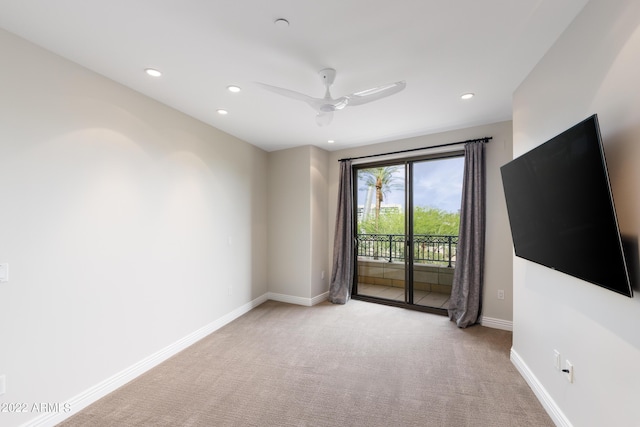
(328, 76)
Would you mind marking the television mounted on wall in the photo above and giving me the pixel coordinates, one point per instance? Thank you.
(561, 209)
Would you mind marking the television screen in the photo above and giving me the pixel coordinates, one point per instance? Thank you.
(561, 209)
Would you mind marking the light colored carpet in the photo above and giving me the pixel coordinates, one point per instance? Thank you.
(360, 364)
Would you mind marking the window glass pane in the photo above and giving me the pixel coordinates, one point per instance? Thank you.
(437, 193)
(381, 232)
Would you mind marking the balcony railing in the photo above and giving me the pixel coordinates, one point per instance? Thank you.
(426, 248)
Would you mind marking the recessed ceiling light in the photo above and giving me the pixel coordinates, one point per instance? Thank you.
(331, 141)
(233, 88)
(222, 111)
(281, 23)
(467, 95)
(153, 72)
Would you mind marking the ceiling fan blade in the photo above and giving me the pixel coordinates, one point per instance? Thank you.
(340, 103)
(374, 94)
(323, 119)
(315, 103)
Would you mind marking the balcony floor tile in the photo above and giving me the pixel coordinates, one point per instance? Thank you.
(424, 298)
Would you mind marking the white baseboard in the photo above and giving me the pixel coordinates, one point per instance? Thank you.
(545, 399)
(320, 298)
(490, 322)
(298, 300)
(84, 399)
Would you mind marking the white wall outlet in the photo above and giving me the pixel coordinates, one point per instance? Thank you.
(4, 272)
(500, 293)
(3, 384)
(322, 275)
(568, 370)
(556, 359)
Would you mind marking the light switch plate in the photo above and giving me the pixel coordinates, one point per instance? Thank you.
(4, 272)
(570, 369)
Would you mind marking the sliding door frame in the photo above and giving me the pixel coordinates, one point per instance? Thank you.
(407, 163)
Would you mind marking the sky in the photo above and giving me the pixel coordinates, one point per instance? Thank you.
(437, 183)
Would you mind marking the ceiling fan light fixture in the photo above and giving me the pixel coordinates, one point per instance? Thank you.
(468, 95)
(152, 72)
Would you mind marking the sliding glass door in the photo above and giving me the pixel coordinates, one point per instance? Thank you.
(407, 215)
(381, 231)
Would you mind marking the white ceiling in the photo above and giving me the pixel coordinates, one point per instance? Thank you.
(442, 48)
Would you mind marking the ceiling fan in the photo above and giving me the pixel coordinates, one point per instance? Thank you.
(327, 105)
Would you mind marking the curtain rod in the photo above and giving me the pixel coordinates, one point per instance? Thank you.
(485, 139)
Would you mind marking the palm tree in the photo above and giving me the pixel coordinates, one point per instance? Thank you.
(384, 180)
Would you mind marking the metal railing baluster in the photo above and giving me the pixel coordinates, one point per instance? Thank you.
(439, 249)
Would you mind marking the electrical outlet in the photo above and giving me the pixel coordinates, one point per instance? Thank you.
(556, 359)
(568, 370)
(500, 293)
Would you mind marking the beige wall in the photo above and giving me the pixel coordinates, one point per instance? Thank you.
(498, 272)
(319, 169)
(127, 226)
(289, 213)
(297, 255)
(592, 68)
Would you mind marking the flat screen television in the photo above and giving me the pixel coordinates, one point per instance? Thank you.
(561, 209)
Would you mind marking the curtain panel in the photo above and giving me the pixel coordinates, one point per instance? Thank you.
(343, 246)
(465, 304)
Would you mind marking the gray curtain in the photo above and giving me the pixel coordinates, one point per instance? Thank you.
(465, 304)
(342, 273)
